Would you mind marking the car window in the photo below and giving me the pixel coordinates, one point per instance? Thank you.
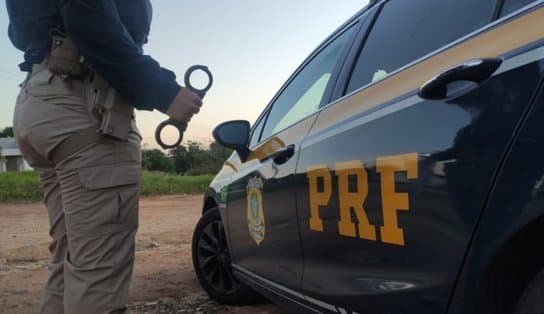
(256, 133)
(510, 6)
(305, 92)
(306, 105)
(407, 30)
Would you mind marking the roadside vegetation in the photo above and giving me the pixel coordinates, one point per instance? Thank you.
(159, 183)
(25, 186)
(20, 187)
(6, 132)
(189, 159)
(187, 169)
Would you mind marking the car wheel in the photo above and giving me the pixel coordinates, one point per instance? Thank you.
(532, 299)
(212, 263)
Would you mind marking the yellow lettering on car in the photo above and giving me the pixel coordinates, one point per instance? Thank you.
(392, 201)
(318, 198)
(353, 200)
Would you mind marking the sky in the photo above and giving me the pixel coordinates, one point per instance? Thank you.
(251, 47)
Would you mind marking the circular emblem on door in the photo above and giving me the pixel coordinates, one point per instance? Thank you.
(255, 213)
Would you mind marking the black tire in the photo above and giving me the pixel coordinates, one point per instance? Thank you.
(212, 264)
(532, 299)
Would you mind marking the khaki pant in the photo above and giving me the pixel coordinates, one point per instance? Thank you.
(91, 197)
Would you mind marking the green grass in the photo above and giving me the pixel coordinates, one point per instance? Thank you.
(154, 183)
(20, 187)
(25, 186)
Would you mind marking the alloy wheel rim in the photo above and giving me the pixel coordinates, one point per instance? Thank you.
(214, 259)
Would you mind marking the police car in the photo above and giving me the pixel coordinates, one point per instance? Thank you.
(399, 170)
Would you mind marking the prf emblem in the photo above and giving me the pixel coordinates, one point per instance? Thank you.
(255, 213)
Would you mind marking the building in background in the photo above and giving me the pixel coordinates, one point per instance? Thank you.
(11, 158)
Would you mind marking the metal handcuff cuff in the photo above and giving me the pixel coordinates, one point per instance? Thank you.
(181, 126)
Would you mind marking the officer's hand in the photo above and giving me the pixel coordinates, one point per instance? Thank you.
(184, 106)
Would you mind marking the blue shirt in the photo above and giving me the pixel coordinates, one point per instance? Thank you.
(99, 33)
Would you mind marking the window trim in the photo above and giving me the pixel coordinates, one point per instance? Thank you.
(529, 6)
(337, 68)
(262, 118)
(328, 89)
(340, 82)
(381, 6)
(493, 24)
(352, 56)
(498, 9)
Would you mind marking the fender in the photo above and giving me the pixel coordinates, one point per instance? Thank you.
(211, 200)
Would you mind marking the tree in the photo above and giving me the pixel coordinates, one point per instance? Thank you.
(156, 160)
(219, 154)
(192, 159)
(6, 132)
(197, 158)
(180, 161)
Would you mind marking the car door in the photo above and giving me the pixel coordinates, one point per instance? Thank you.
(392, 182)
(263, 227)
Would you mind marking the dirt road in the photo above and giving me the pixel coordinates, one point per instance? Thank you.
(164, 280)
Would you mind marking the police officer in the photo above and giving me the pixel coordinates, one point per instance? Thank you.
(73, 122)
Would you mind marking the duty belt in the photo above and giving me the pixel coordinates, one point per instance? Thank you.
(113, 112)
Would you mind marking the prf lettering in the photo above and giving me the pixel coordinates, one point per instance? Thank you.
(320, 184)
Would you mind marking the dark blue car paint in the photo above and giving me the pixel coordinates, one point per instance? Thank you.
(514, 212)
(475, 154)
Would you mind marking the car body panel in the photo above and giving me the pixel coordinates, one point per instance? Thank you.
(456, 165)
(515, 205)
(258, 182)
(492, 41)
(439, 159)
(459, 144)
(279, 255)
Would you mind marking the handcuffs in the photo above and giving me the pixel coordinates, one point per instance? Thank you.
(181, 126)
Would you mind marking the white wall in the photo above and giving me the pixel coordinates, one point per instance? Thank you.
(22, 165)
(26, 166)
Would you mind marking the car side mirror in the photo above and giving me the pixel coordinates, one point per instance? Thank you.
(234, 135)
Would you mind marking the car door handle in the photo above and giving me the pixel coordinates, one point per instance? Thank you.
(474, 71)
(281, 156)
